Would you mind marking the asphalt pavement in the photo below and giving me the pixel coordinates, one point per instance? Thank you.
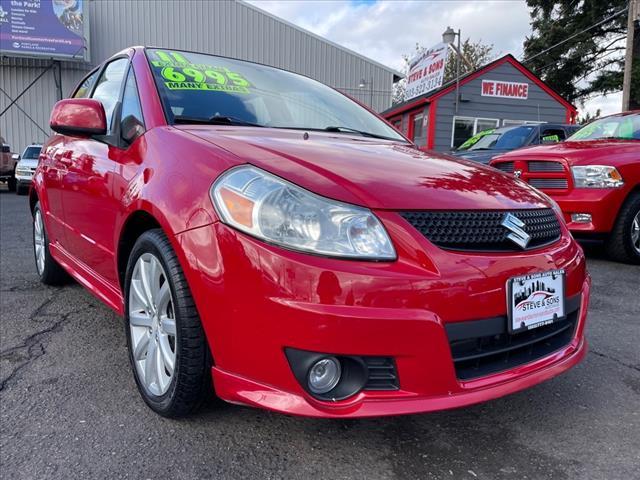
(69, 407)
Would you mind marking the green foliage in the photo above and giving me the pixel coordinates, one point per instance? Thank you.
(589, 64)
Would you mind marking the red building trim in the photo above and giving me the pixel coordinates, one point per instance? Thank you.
(431, 124)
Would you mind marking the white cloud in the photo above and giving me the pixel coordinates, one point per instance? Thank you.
(385, 30)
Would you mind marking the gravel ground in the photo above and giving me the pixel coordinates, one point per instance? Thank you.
(69, 406)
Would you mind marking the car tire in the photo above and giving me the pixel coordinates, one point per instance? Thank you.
(49, 271)
(164, 331)
(622, 243)
(21, 189)
(11, 184)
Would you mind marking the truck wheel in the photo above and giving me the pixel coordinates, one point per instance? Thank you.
(11, 183)
(49, 271)
(167, 347)
(623, 244)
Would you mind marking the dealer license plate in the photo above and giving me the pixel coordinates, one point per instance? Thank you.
(535, 300)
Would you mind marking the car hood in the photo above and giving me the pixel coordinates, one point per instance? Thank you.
(481, 156)
(28, 162)
(370, 172)
(576, 150)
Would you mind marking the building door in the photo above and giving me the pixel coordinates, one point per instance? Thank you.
(418, 128)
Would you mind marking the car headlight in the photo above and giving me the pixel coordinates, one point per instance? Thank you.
(276, 211)
(596, 176)
(23, 171)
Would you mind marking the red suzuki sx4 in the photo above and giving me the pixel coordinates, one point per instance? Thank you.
(270, 241)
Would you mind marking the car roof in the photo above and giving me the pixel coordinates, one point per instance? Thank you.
(546, 125)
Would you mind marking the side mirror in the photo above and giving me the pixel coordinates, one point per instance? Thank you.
(80, 117)
(15, 157)
(130, 128)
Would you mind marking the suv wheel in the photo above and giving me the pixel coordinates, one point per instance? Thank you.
(167, 347)
(11, 184)
(49, 271)
(624, 242)
(21, 189)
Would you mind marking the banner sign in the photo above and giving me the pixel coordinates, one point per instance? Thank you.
(44, 28)
(495, 88)
(426, 71)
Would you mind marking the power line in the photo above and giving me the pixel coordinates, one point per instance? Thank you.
(571, 37)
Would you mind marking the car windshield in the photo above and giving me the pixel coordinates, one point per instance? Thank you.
(199, 88)
(626, 127)
(31, 153)
(505, 140)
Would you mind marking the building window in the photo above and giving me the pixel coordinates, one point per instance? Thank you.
(513, 123)
(483, 124)
(419, 129)
(397, 123)
(466, 127)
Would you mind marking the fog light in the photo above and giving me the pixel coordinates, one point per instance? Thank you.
(581, 217)
(324, 375)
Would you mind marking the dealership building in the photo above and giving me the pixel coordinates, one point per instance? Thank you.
(501, 93)
(36, 72)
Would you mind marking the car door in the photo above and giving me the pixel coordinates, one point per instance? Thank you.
(89, 205)
(54, 164)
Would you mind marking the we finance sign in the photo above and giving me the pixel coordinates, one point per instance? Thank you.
(426, 71)
(495, 88)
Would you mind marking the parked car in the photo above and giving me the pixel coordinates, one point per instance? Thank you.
(26, 167)
(7, 165)
(263, 230)
(471, 141)
(505, 139)
(595, 178)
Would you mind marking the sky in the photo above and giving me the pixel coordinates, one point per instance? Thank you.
(384, 30)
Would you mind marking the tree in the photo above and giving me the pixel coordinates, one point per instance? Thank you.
(477, 53)
(588, 118)
(591, 63)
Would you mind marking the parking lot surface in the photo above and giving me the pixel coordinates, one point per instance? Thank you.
(69, 406)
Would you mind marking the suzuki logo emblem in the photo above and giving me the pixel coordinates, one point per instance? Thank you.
(517, 173)
(514, 225)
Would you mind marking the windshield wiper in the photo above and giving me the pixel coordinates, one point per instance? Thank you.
(332, 128)
(215, 120)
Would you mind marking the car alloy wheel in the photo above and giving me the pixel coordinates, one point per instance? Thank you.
(39, 241)
(635, 232)
(152, 324)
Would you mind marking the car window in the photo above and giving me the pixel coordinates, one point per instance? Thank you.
(108, 88)
(31, 152)
(197, 87)
(131, 99)
(506, 140)
(552, 135)
(85, 87)
(626, 127)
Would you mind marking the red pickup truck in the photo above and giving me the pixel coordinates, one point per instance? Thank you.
(595, 178)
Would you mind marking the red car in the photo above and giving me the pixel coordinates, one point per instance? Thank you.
(595, 178)
(263, 233)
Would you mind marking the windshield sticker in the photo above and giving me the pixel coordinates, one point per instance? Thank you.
(179, 74)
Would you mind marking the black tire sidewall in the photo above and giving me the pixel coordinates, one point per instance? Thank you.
(626, 229)
(148, 243)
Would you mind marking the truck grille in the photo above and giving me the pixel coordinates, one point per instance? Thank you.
(505, 166)
(548, 182)
(484, 347)
(482, 230)
(538, 173)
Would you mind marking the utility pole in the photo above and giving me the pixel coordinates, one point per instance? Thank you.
(631, 96)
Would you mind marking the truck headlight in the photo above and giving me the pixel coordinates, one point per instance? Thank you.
(596, 176)
(279, 212)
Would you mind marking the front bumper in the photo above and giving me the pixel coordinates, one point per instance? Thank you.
(602, 204)
(255, 300)
(23, 178)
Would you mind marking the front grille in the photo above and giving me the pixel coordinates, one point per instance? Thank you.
(548, 182)
(382, 374)
(484, 347)
(505, 166)
(537, 166)
(482, 230)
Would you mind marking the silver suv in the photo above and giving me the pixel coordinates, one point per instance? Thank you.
(26, 167)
